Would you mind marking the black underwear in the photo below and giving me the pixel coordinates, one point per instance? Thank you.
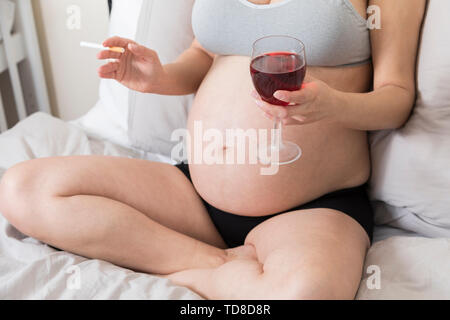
(233, 228)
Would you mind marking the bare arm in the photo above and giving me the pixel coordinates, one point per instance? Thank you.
(140, 69)
(185, 75)
(388, 106)
(394, 52)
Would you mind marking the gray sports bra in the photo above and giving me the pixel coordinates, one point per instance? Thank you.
(333, 32)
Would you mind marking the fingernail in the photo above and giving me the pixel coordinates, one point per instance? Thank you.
(255, 94)
(280, 96)
(259, 102)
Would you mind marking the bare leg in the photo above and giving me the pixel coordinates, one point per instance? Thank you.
(138, 214)
(309, 254)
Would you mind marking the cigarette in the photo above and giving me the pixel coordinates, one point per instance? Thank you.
(99, 46)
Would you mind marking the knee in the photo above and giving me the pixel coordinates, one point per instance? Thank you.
(18, 194)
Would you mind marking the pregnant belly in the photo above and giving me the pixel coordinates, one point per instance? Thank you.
(333, 157)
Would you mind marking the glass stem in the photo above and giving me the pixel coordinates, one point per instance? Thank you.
(277, 134)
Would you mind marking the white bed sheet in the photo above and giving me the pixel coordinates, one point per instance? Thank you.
(412, 267)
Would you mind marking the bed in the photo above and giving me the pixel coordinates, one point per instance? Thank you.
(404, 262)
(411, 266)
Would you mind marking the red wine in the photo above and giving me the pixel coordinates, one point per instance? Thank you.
(277, 71)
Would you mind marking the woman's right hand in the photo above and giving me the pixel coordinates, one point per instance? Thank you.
(138, 68)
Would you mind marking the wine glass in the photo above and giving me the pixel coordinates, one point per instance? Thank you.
(278, 63)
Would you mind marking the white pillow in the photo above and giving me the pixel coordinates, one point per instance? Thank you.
(411, 166)
(132, 119)
(108, 119)
(166, 28)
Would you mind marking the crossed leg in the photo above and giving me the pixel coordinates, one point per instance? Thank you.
(134, 213)
(148, 217)
(306, 254)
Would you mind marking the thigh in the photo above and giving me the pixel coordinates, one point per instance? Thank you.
(158, 190)
(318, 252)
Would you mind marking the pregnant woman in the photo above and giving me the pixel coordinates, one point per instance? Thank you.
(226, 231)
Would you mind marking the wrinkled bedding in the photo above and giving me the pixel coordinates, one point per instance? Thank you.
(409, 266)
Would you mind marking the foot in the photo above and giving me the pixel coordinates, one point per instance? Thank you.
(202, 281)
(246, 252)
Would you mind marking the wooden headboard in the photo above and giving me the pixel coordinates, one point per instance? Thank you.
(26, 89)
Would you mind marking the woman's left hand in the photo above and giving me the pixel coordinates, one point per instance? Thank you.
(313, 102)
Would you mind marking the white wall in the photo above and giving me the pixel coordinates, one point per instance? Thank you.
(70, 70)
